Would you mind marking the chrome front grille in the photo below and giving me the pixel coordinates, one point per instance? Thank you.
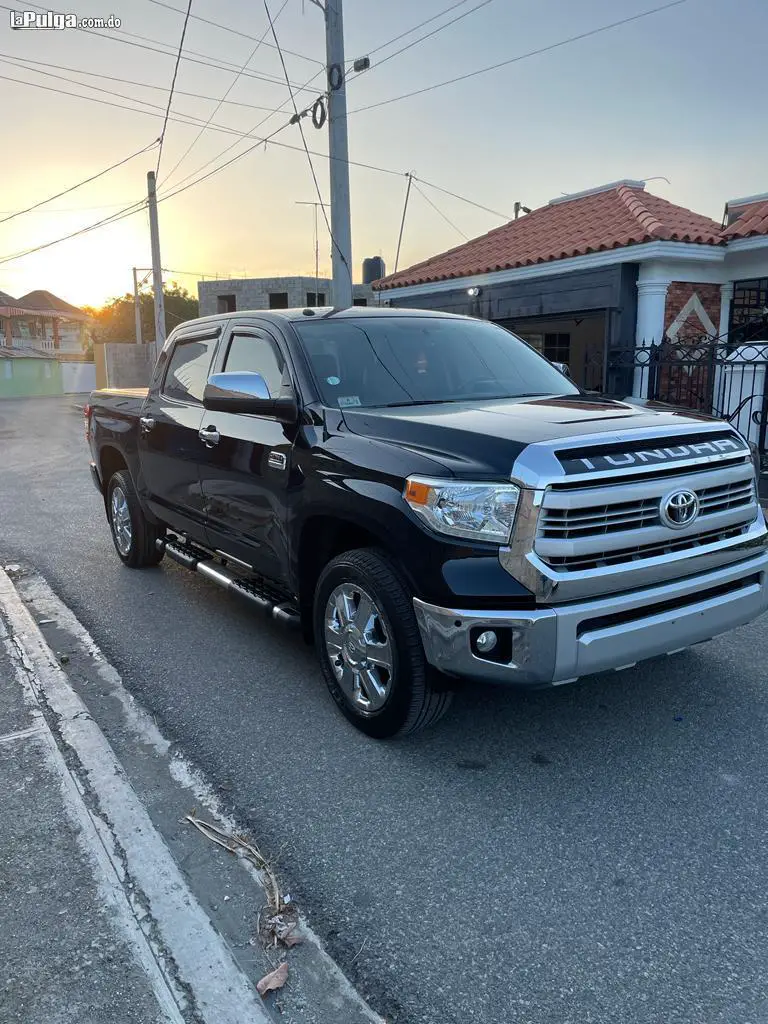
(588, 528)
(588, 522)
(640, 551)
(621, 516)
(726, 496)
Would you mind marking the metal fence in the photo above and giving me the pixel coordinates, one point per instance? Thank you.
(708, 375)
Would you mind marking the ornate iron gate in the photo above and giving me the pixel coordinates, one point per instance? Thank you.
(707, 375)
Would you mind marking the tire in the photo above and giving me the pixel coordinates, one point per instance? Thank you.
(370, 647)
(134, 537)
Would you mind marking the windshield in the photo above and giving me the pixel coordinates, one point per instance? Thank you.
(412, 360)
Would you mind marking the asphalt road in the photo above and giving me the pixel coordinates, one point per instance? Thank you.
(592, 853)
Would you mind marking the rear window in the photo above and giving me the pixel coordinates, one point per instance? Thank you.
(188, 368)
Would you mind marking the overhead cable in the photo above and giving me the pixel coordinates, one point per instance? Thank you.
(170, 91)
(519, 57)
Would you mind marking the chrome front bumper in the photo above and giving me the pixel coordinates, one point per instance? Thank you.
(560, 644)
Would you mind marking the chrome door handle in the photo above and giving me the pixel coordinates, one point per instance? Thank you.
(147, 423)
(209, 435)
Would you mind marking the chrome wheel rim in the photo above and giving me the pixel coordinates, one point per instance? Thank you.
(121, 521)
(359, 647)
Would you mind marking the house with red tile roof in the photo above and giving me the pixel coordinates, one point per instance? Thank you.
(602, 273)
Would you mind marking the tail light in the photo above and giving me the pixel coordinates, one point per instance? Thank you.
(87, 414)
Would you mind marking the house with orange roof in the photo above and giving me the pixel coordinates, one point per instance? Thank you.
(597, 279)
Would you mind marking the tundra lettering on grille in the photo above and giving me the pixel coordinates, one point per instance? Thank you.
(601, 463)
(605, 515)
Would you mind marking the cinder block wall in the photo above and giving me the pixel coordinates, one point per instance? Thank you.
(124, 366)
(253, 293)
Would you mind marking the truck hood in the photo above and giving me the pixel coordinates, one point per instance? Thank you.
(486, 437)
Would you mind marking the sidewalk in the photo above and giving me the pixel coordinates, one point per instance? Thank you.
(69, 951)
(114, 909)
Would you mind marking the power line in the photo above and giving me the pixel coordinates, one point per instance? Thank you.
(183, 188)
(232, 84)
(71, 209)
(191, 273)
(440, 212)
(127, 212)
(471, 202)
(187, 119)
(241, 137)
(85, 85)
(115, 36)
(173, 85)
(142, 204)
(297, 120)
(249, 134)
(394, 39)
(13, 59)
(105, 103)
(191, 119)
(522, 56)
(80, 184)
(219, 66)
(428, 35)
(236, 32)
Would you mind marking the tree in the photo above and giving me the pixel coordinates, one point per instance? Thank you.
(114, 321)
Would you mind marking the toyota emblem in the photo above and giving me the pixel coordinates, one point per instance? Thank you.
(679, 509)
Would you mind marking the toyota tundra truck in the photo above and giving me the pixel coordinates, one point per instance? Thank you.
(429, 499)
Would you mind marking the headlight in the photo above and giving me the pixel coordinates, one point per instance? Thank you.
(479, 511)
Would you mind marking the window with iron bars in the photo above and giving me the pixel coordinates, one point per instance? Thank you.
(749, 311)
(557, 346)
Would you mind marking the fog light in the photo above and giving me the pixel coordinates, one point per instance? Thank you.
(486, 642)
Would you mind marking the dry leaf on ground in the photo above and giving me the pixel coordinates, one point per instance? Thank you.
(274, 980)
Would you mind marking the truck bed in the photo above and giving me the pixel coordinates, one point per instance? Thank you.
(125, 402)
(111, 393)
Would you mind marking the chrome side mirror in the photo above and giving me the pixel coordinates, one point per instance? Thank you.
(246, 392)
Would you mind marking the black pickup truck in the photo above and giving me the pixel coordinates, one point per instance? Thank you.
(428, 498)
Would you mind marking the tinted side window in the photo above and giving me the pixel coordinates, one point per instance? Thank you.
(188, 368)
(259, 354)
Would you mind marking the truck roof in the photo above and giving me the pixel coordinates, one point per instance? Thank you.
(325, 312)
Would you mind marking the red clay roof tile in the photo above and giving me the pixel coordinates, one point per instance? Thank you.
(622, 215)
(752, 220)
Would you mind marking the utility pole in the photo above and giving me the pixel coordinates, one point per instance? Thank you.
(317, 206)
(338, 151)
(409, 176)
(157, 267)
(137, 306)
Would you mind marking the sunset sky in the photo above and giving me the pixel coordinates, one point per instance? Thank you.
(680, 94)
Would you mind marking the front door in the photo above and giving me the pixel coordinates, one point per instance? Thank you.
(245, 474)
(170, 448)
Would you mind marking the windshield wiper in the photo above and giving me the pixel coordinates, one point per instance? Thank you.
(466, 398)
(422, 401)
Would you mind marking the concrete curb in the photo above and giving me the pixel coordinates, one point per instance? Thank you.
(202, 962)
(317, 986)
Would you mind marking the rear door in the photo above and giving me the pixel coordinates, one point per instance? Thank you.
(170, 447)
(245, 476)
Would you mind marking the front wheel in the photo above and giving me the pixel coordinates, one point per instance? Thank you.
(134, 537)
(370, 648)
